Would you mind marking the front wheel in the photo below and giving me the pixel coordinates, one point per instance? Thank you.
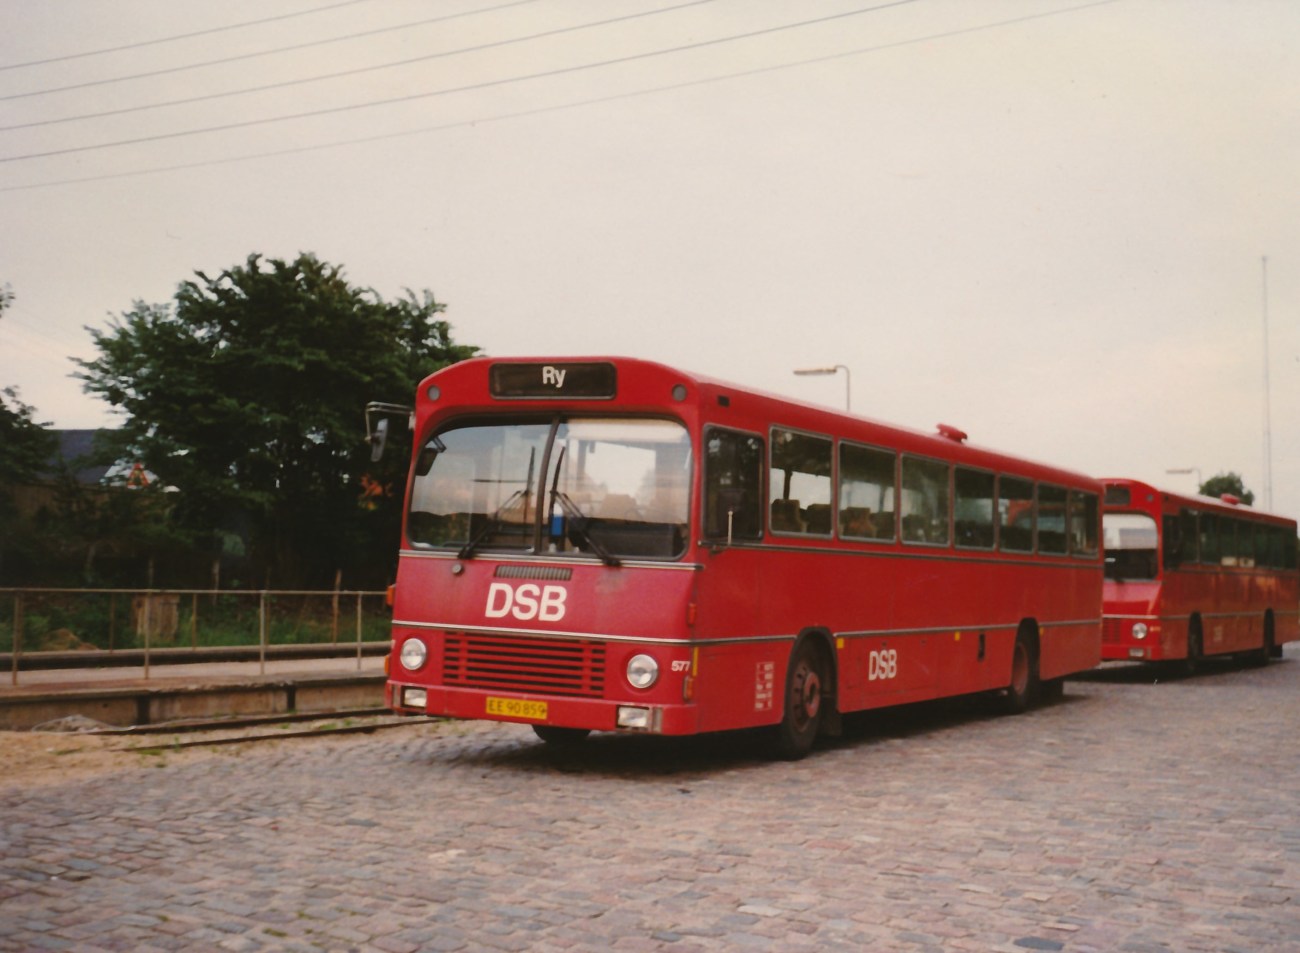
(804, 698)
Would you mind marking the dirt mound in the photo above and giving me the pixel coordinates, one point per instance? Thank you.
(64, 640)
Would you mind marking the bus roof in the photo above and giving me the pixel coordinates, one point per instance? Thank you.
(1225, 504)
(746, 406)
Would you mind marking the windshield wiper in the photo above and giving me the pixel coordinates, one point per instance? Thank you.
(578, 522)
(494, 520)
(493, 523)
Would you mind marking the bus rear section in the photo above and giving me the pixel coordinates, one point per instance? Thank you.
(1192, 577)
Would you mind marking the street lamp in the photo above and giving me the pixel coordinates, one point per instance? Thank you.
(820, 371)
(1188, 470)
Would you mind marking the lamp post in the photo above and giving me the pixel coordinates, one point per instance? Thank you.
(820, 371)
(1268, 413)
(1189, 470)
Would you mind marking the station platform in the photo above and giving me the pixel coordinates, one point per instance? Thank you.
(123, 696)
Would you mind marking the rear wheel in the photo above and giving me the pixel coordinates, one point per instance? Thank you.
(804, 687)
(561, 737)
(1023, 688)
(1266, 651)
(1195, 651)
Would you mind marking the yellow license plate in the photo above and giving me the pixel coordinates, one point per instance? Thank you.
(517, 708)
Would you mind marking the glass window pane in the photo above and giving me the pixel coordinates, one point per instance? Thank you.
(1051, 519)
(866, 492)
(1227, 541)
(478, 482)
(1130, 540)
(925, 501)
(1209, 532)
(972, 511)
(1190, 535)
(1083, 523)
(1016, 514)
(733, 485)
(800, 483)
(619, 485)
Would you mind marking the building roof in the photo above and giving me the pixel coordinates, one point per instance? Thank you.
(75, 452)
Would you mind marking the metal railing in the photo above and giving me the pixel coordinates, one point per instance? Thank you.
(54, 627)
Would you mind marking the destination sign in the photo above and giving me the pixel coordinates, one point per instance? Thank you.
(553, 381)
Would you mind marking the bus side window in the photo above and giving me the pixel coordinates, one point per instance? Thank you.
(1190, 534)
(866, 492)
(1172, 543)
(1083, 523)
(733, 485)
(973, 508)
(1016, 515)
(925, 501)
(799, 485)
(1051, 518)
(1209, 533)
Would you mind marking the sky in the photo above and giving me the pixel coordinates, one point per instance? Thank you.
(1069, 228)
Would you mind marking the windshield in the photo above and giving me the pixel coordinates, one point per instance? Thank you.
(609, 487)
(1131, 541)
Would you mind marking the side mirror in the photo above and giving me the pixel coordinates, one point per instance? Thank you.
(378, 439)
(377, 433)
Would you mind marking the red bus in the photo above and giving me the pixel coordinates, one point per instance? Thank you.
(1189, 577)
(611, 544)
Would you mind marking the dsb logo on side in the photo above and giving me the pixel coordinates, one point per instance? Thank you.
(882, 665)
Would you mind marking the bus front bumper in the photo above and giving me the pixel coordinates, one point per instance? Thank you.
(627, 715)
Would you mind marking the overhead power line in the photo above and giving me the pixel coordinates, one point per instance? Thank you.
(180, 36)
(472, 87)
(542, 110)
(360, 69)
(292, 48)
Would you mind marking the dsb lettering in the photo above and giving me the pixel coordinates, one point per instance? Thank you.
(882, 665)
(526, 602)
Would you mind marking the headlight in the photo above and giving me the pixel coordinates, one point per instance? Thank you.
(642, 671)
(1139, 630)
(413, 654)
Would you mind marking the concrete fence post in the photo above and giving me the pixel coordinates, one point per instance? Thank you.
(148, 627)
(262, 633)
(359, 631)
(18, 636)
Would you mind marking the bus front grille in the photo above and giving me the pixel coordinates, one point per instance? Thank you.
(537, 666)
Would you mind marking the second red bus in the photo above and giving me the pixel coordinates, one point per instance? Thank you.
(1189, 577)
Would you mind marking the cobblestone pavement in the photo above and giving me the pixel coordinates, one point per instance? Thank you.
(1133, 815)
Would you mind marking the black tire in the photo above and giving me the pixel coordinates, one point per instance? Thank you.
(1265, 653)
(1022, 689)
(561, 737)
(1187, 667)
(805, 699)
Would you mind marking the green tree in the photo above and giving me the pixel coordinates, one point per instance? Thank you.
(25, 445)
(25, 450)
(245, 395)
(1230, 483)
